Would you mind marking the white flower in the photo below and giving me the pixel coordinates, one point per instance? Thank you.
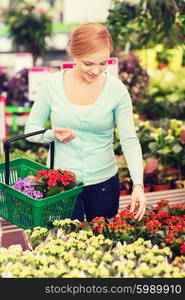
(133, 2)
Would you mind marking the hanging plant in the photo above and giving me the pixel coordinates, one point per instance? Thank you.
(29, 24)
(145, 23)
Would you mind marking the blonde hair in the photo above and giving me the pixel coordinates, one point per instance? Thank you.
(87, 39)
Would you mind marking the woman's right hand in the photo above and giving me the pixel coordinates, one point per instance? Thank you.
(64, 135)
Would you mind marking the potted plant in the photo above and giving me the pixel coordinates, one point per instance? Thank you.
(158, 175)
(125, 187)
(150, 165)
(30, 22)
(163, 176)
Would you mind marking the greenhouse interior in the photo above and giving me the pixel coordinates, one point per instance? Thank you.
(39, 189)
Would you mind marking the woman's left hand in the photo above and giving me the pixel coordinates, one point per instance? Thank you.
(138, 196)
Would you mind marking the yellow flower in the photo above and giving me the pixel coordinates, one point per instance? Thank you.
(31, 176)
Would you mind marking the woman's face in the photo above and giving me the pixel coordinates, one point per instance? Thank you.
(91, 66)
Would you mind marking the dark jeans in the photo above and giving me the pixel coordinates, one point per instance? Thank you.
(98, 200)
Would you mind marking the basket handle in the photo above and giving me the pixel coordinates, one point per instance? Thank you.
(7, 152)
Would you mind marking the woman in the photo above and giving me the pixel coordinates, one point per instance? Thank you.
(84, 104)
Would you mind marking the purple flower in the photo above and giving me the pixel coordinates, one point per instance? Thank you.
(25, 185)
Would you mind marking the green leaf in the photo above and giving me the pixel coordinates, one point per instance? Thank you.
(165, 150)
(53, 191)
(39, 187)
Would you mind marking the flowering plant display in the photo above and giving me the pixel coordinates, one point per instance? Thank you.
(83, 255)
(74, 249)
(164, 225)
(64, 253)
(46, 183)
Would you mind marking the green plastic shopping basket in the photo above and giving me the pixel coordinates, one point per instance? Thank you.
(22, 210)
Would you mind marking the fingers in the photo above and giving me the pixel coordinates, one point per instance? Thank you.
(64, 135)
(63, 130)
(133, 205)
(141, 209)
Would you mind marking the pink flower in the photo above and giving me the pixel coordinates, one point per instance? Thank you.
(151, 166)
(182, 136)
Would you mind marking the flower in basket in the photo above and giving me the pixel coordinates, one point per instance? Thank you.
(52, 182)
(46, 183)
(25, 185)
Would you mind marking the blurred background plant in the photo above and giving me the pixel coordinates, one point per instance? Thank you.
(164, 140)
(168, 145)
(163, 59)
(166, 95)
(143, 24)
(4, 79)
(29, 24)
(155, 173)
(133, 76)
(39, 155)
(23, 147)
(17, 89)
(123, 173)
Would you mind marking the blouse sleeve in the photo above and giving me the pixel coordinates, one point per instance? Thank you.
(128, 138)
(39, 114)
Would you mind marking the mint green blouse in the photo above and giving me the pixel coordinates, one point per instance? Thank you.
(90, 154)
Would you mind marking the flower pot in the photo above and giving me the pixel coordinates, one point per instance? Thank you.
(147, 189)
(179, 184)
(124, 192)
(160, 187)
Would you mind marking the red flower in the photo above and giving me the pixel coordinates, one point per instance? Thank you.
(162, 214)
(153, 223)
(99, 228)
(179, 206)
(42, 173)
(182, 248)
(170, 240)
(163, 203)
(98, 220)
(52, 177)
(82, 225)
(51, 183)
